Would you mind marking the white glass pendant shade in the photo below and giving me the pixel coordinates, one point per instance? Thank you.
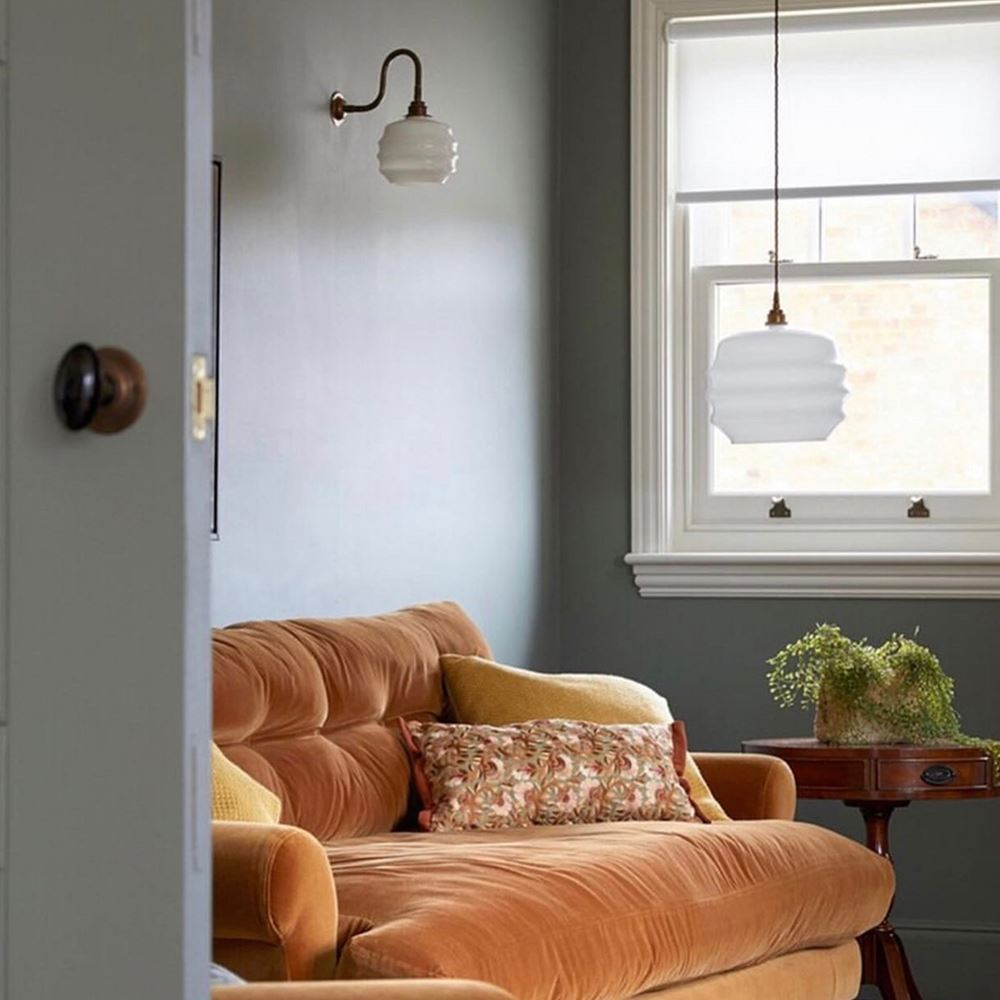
(417, 150)
(776, 384)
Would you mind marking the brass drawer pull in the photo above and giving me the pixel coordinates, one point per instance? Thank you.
(938, 774)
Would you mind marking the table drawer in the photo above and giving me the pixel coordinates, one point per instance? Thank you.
(850, 775)
(928, 775)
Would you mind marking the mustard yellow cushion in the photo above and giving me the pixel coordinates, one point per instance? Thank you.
(236, 796)
(487, 693)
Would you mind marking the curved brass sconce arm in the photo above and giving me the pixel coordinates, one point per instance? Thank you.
(340, 109)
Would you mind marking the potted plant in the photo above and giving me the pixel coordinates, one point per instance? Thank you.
(893, 693)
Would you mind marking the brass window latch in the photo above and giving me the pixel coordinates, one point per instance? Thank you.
(202, 397)
(918, 508)
(779, 508)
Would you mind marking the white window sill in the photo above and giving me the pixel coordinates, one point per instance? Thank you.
(820, 574)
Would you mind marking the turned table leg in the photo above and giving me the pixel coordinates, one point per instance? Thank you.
(884, 960)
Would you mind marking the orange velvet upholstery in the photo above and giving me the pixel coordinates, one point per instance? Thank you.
(601, 910)
(307, 708)
(275, 910)
(749, 786)
(833, 973)
(410, 989)
(747, 910)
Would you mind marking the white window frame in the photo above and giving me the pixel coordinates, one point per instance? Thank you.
(672, 554)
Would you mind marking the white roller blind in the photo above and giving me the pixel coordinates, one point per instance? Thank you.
(860, 106)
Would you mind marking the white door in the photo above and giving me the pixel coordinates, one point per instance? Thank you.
(106, 200)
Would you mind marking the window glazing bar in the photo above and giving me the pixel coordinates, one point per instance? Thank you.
(842, 191)
(851, 270)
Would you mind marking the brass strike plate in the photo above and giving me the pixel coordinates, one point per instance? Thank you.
(202, 397)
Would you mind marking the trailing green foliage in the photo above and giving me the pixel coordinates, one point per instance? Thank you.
(896, 692)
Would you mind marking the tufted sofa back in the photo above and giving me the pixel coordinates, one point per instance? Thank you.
(309, 708)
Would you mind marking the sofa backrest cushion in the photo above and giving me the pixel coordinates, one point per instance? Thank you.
(308, 707)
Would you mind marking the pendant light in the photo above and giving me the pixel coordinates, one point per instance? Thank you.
(778, 383)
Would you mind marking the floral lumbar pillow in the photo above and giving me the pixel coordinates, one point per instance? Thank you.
(545, 773)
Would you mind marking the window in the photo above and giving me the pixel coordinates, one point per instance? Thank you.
(891, 241)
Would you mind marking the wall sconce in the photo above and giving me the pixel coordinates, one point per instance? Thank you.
(414, 150)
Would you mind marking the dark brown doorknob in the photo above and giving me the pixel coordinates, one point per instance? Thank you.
(101, 388)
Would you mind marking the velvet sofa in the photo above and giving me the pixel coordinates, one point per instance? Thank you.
(761, 907)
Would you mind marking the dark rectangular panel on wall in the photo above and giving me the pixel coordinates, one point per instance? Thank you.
(215, 349)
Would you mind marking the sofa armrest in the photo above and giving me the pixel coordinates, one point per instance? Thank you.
(750, 786)
(376, 989)
(274, 904)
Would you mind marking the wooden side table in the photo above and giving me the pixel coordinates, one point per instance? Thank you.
(878, 780)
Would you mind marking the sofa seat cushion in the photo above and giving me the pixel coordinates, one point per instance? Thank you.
(599, 911)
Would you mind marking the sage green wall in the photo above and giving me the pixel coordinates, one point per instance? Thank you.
(708, 655)
(387, 382)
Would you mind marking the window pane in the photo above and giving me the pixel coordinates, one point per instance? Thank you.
(742, 232)
(917, 352)
(958, 225)
(870, 228)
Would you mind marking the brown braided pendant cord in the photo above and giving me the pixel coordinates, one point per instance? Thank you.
(765, 387)
(776, 317)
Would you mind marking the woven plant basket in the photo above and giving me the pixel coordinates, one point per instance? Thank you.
(863, 723)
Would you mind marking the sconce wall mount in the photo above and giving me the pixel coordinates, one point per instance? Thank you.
(417, 149)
